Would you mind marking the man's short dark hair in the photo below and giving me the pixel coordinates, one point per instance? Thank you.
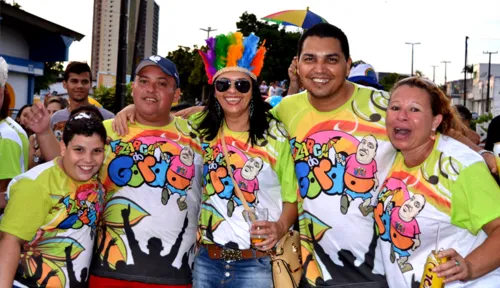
(77, 68)
(325, 30)
(87, 108)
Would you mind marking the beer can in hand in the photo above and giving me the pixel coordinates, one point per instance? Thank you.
(429, 278)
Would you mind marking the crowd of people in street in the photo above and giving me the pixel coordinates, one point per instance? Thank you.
(374, 181)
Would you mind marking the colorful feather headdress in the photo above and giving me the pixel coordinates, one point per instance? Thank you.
(233, 53)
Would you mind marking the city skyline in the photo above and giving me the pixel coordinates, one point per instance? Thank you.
(377, 30)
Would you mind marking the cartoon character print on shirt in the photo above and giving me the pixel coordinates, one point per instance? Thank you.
(44, 258)
(395, 218)
(83, 209)
(58, 130)
(327, 162)
(150, 160)
(218, 181)
(360, 177)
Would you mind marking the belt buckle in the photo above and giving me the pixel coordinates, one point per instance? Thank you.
(229, 254)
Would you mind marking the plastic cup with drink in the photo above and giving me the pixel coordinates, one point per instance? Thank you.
(256, 214)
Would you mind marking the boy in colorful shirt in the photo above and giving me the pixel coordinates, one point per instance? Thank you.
(50, 244)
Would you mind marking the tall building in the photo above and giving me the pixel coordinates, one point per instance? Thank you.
(142, 36)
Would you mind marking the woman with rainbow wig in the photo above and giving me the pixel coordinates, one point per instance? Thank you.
(260, 161)
(259, 158)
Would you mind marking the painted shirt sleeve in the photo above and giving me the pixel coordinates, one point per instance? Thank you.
(27, 209)
(475, 199)
(10, 153)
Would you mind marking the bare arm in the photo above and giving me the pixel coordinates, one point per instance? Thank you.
(478, 263)
(486, 258)
(10, 249)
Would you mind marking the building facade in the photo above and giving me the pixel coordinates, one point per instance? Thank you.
(27, 41)
(142, 36)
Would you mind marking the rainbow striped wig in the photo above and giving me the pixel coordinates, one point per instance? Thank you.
(233, 53)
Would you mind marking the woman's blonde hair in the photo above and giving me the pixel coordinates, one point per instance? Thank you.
(440, 104)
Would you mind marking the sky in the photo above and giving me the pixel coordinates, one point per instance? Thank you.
(377, 29)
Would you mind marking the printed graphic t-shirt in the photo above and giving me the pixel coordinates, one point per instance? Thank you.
(14, 149)
(59, 119)
(152, 178)
(58, 217)
(264, 173)
(451, 191)
(338, 241)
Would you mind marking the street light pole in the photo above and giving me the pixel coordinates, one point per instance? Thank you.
(208, 31)
(489, 76)
(434, 73)
(412, 44)
(445, 70)
(465, 72)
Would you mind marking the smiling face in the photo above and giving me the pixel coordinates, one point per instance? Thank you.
(322, 66)
(251, 168)
(154, 92)
(411, 207)
(83, 156)
(233, 102)
(78, 86)
(409, 118)
(367, 149)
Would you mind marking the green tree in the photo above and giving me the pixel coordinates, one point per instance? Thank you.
(191, 72)
(51, 71)
(281, 45)
(106, 96)
(389, 81)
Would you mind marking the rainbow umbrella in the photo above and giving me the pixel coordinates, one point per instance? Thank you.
(300, 18)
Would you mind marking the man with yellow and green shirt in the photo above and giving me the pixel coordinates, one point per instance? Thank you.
(49, 228)
(152, 177)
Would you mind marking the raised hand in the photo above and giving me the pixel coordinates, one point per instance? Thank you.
(38, 118)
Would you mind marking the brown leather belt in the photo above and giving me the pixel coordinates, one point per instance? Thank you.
(228, 254)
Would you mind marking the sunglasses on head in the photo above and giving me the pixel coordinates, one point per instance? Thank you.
(242, 85)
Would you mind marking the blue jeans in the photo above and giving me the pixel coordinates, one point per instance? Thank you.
(215, 273)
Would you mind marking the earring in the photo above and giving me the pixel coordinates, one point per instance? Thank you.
(218, 109)
(433, 136)
(251, 108)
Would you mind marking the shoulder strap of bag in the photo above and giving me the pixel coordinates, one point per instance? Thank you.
(230, 170)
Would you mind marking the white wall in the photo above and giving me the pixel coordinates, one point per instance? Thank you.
(13, 43)
(19, 83)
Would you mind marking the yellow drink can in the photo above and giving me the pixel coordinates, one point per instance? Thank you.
(429, 278)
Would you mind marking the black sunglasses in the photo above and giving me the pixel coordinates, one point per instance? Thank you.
(242, 85)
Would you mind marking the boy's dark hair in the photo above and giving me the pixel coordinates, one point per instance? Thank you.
(87, 108)
(325, 30)
(86, 124)
(77, 68)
